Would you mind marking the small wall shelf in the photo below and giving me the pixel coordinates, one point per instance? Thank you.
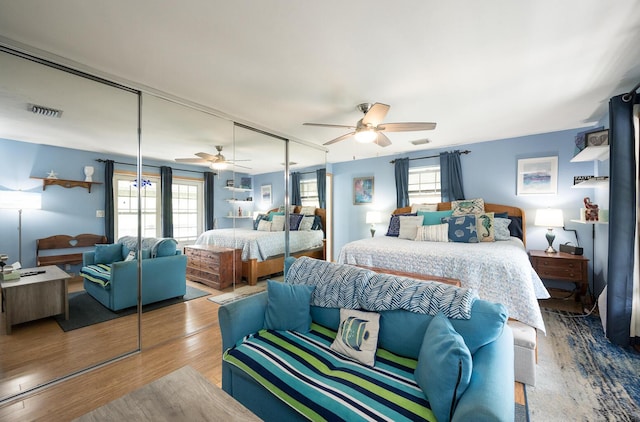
(594, 182)
(589, 222)
(46, 181)
(239, 216)
(599, 153)
(238, 200)
(234, 189)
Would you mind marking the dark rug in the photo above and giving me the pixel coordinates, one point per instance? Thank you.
(581, 375)
(84, 310)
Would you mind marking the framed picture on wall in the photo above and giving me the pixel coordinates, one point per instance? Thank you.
(362, 190)
(265, 194)
(537, 176)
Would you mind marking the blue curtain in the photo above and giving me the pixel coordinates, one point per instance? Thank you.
(622, 213)
(166, 201)
(451, 176)
(109, 209)
(321, 181)
(295, 189)
(402, 182)
(209, 216)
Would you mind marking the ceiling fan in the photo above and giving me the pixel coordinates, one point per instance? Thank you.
(216, 162)
(370, 128)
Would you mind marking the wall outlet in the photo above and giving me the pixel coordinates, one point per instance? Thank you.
(99, 213)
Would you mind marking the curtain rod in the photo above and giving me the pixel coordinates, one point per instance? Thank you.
(466, 151)
(626, 97)
(101, 160)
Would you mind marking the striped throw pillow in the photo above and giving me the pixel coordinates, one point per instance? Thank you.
(434, 233)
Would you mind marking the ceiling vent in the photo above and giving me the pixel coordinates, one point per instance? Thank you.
(45, 111)
(421, 141)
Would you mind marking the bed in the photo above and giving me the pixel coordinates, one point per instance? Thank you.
(263, 251)
(499, 271)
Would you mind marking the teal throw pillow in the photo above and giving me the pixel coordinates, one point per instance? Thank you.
(164, 247)
(288, 306)
(432, 218)
(107, 253)
(444, 367)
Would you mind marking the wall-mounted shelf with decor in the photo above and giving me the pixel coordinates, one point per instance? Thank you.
(592, 153)
(589, 222)
(48, 181)
(234, 189)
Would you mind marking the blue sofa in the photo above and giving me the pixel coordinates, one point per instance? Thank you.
(488, 397)
(112, 281)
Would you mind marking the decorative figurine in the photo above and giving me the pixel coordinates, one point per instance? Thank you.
(591, 210)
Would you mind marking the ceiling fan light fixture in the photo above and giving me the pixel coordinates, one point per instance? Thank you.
(366, 136)
(219, 165)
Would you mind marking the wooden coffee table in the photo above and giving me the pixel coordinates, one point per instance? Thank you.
(35, 296)
(183, 395)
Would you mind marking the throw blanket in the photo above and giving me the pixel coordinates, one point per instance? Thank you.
(303, 371)
(346, 286)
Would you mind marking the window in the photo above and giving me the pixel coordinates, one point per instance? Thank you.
(309, 193)
(424, 185)
(187, 201)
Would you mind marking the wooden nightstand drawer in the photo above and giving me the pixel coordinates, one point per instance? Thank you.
(562, 267)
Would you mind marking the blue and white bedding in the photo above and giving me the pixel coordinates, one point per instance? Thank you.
(498, 271)
(261, 245)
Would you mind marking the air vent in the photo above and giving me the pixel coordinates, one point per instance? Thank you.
(421, 141)
(45, 111)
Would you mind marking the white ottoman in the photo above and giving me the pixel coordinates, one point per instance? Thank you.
(525, 352)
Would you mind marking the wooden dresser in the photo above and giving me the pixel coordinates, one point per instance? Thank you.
(562, 267)
(213, 265)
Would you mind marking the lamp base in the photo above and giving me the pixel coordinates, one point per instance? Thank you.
(373, 231)
(550, 238)
(550, 250)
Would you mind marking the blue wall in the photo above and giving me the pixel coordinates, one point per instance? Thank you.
(489, 172)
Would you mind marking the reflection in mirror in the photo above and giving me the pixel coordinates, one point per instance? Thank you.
(53, 156)
(180, 149)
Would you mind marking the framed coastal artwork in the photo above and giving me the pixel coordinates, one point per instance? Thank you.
(265, 194)
(362, 190)
(537, 176)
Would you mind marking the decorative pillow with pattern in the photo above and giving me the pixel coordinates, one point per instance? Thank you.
(277, 223)
(467, 206)
(264, 226)
(394, 224)
(306, 223)
(409, 227)
(433, 233)
(462, 228)
(291, 209)
(423, 207)
(357, 336)
(294, 221)
(308, 210)
(502, 228)
(485, 227)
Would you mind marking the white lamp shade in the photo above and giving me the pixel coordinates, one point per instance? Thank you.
(549, 217)
(19, 200)
(373, 217)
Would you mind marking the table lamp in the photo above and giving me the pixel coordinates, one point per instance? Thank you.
(373, 218)
(549, 218)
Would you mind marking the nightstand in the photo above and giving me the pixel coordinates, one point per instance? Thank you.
(562, 266)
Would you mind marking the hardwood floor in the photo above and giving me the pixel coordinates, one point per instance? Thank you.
(165, 349)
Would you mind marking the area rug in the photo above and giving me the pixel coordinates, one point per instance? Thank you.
(239, 293)
(84, 310)
(581, 376)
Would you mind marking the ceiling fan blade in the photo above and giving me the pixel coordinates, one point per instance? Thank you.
(328, 125)
(207, 157)
(382, 140)
(376, 114)
(406, 126)
(238, 165)
(192, 160)
(339, 138)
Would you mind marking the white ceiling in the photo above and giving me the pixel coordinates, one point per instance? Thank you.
(483, 71)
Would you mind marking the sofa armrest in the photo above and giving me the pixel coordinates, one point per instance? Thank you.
(240, 318)
(88, 258)
(490, 395)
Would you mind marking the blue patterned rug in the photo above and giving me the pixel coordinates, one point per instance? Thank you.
(581, 376)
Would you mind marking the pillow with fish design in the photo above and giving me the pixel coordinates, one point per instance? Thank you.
(357, 336)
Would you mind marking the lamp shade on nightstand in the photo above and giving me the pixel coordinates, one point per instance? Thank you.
(549, 218)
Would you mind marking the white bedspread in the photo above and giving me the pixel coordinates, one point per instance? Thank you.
(498, 271)
(260, 244)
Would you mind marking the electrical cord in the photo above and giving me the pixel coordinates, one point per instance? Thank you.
(574, 316)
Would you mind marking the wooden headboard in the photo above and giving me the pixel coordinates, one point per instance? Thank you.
(511, 212)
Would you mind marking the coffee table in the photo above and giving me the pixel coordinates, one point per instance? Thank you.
(35, 296)
(183, 395)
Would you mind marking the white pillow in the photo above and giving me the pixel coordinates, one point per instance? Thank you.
(357, 336)
(502, 228)
(306, 223)
(409, 226)
(308, 210)
(264, 226)
(277, 223)
(434, 233)
(423, 207)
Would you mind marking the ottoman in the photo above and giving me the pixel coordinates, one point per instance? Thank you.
(525, 352)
